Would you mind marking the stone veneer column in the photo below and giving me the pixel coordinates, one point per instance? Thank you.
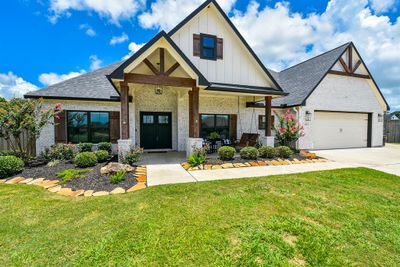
(124, 146)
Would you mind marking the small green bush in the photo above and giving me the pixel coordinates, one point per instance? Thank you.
(284, 151)
(7, 153)
(267, 152)
(197, 157)
(117, 177)
(101, 155)
(85, 159)
(69, 174)
(226, 153)
(61, 152)
(104, 146)
(133, 156)
(85, 147)
(10, 165)
(249, 152)
(214, 136)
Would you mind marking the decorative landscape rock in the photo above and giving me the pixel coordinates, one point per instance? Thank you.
(77, 193)
(15, 180)
(114, 167)
(118, 190)
(100, 193)
(26, 181)
(55, 189)
(136, 187)
(35, 181)
(2, 181)
(88, 193)
(65, 191)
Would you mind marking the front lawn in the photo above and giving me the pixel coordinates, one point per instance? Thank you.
(331, 218)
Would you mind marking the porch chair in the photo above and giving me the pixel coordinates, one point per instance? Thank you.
(248, 139)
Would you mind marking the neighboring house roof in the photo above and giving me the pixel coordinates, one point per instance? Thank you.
(301, 79)
(118, 73)
(235, 30)
(89, 86)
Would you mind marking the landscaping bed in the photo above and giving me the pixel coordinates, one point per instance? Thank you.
(91, 180)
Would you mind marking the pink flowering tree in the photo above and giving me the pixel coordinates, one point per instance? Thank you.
(22, 120)
(288, 130)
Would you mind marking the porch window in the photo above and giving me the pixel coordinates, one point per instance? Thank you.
(208, 47)
(86, 126)
(215, 123)
(261, 122)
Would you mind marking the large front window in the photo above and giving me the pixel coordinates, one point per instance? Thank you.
(86, 126)
(215, 123)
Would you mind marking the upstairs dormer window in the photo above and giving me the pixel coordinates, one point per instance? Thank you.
(207, 46)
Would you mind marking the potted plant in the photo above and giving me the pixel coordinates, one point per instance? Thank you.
(213, 137)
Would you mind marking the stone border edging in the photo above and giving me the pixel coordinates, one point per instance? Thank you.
(255, 163)
(54, 187)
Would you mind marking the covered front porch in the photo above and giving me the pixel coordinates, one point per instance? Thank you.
(167, 104)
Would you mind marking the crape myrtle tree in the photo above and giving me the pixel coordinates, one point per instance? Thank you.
(288, 130)
(22, 120)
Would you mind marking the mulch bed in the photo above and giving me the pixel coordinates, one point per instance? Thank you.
(92, 180)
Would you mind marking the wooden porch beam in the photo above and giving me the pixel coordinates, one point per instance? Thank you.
(172, 69)
(159, 80)
(151, 66)
(350, 59)
(268, 120)
(162, 61)
(196, 126)
(358, 63)
(344, 65)
(124, 112)
(349, 74)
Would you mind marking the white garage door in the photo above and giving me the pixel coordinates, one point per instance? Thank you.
(340, 130)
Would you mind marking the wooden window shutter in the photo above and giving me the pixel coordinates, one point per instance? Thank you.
(114, 127)
(220, 48)
(233, 126)
(196, 45)
(60, 129)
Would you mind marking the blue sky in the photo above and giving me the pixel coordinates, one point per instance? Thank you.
(46, 41)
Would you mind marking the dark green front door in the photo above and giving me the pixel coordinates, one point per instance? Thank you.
(155, 130)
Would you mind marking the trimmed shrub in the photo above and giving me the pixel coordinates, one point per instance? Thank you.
(133, 156)
(267, 152)
(226, 152)
(10, 165)
(117, 177)
(85, 147)
(104, 146)
(249, 152)
(61, 152)
(197, 157)
(101, 155)
(85, 159)
(284, 151)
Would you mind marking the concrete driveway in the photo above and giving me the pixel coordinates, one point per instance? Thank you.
(386, 159)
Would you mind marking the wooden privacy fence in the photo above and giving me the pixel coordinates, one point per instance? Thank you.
(5, 146)
(392, 131)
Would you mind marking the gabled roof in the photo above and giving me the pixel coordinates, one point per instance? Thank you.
(301, 79)
(235, 30)
(89, 86)
(118, 73)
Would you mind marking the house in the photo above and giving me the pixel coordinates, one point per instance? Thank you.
(394, 117)
(201, 77)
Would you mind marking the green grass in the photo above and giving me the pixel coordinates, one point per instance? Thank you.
(332, 218)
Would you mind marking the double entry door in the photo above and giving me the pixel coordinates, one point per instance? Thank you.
(156, 130)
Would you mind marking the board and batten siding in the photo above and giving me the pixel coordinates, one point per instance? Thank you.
(238, 66)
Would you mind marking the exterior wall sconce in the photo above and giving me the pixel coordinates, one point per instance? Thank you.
(308, 115)
(158, 90)
(380, 117)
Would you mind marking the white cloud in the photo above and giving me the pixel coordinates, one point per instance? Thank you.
(88, 30)
(53, 78)
(382, 5)
(115, 11)
(133, 48)
(165, 14)
(292, 37)
(13, 86)
(119, 39)
(95, 62)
